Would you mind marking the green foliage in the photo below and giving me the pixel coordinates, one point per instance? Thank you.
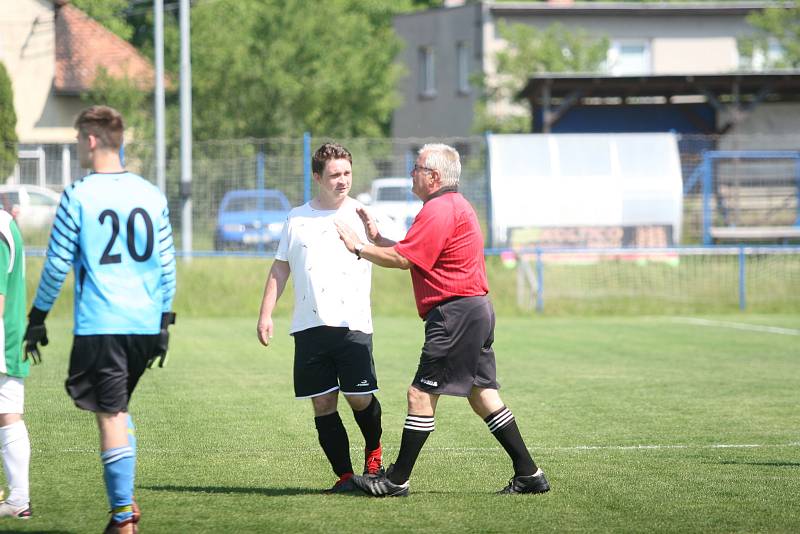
(294, 66)
(779, 25)
(531, 51)
(109, 13)
(8, 124)
(274, 68)
(232, 287)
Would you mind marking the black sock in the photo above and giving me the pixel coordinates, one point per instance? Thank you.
(503, 426)
(369, 421)
(333, 438)
(415, 433)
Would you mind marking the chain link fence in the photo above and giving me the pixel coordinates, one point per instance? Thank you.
(745, 193)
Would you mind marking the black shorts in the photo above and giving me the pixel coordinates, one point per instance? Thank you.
(104, 370)
(458, 353)
(327, 358)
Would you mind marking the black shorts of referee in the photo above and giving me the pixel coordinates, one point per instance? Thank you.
(104, 369)
(457, 353)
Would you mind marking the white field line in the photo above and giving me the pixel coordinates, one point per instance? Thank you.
(738, 326)
(577, 448)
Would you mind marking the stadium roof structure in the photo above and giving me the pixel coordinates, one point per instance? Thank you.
(703, 7)
(739, 92)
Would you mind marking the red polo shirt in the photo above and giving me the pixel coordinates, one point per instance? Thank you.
(445, 246)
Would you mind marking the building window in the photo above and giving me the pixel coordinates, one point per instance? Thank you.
(427, 72)
(462, 67)
(629, 58)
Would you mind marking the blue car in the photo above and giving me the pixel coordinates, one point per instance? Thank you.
(251, 218)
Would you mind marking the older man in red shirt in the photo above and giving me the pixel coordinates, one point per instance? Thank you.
(444, 251)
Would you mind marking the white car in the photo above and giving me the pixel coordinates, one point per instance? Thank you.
(33, 207)
(392, 199)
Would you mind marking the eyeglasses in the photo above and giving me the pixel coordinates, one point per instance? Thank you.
(418, 168)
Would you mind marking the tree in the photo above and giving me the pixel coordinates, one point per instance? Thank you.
(8, 125)
(294, 66)
(774, 25)
(109, 13)
(273, 68)
(530, 51)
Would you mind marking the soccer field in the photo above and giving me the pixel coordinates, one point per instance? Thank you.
(641, 424)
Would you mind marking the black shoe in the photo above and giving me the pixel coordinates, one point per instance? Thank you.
(380, 486)
(343, 485)
(535, 483)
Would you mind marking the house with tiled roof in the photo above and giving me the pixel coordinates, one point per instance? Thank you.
(53, 52)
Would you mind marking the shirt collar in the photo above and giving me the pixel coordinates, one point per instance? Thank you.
(443, 190)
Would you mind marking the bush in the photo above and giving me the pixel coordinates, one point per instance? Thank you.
(8, 124)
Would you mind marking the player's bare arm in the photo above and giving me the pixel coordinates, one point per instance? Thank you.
(371, 228)
(385, 256)
(273, 289)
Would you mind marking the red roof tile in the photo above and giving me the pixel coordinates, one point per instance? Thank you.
(84, 46)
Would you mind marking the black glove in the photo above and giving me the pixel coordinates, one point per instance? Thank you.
(160, 353)
(35, 333)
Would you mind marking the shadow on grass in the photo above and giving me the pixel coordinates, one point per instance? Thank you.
(269, 492)
(12, 531)
(763, 464)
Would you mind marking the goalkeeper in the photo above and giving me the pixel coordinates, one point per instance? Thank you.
(112, 227)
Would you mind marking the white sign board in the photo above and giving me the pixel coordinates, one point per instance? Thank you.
(585, 181)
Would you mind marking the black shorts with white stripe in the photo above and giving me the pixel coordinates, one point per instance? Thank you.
(457, 354)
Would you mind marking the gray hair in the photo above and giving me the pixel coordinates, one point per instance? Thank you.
(444, 159)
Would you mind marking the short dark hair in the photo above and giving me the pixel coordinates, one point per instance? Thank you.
(103, 122)
(327, 152)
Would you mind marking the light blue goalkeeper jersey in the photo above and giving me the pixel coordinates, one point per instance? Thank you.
(114, 230)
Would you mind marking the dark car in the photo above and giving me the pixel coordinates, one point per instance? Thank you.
(251, 218)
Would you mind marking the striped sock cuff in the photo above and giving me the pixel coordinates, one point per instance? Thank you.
(420, 423)
(499, 419)
(118, 453)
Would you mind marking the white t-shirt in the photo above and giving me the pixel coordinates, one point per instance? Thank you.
(331, 285)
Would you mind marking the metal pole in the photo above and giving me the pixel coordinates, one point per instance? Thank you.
(66, 166)
(797, 178)
(540, 281)
(707, 185)
(306, 167)
(260, 185)
(186, 133)
(742, 284)
(161, 152)
(487, 137)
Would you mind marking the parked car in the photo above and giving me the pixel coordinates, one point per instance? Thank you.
(33, 207)
(249, 218)
(392, 199)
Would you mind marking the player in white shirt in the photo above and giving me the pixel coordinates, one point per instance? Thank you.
(332, 320)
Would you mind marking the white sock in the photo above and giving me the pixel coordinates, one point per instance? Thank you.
(16, 448)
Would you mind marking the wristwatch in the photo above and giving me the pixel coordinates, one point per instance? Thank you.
(357, 249)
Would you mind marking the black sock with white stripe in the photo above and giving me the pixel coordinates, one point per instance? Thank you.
(369, 421)
(415, 433)
(503, 426)
(334, 441)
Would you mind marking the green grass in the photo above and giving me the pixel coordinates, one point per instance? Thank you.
(232, 287)
(642, 424)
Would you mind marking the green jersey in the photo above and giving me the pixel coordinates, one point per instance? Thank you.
(12, 287)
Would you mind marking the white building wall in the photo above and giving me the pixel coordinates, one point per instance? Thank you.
(27, 48)
(694, 55)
